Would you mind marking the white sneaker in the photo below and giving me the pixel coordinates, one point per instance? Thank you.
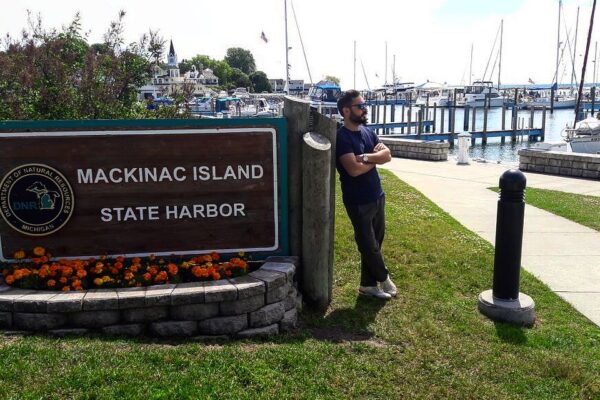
(388, 287)
(373, 291)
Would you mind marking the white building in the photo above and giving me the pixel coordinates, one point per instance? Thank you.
(296, 86)
(166, 79)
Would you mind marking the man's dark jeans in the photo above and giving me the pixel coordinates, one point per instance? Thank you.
(368, 221)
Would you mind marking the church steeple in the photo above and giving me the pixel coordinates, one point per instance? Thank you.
(172, 56)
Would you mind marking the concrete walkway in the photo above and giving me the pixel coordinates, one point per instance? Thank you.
(562, 254)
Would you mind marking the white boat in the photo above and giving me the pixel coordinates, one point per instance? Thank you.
(480, 92)
(585, 137)
(431, 93)
(560, 102)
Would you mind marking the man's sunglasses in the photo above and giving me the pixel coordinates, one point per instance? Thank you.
(360, 106)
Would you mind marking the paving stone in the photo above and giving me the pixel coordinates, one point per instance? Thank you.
(159, 295)
(124, 330)
(194, 312)
(94, 319)
(146, 314)
(277, 294)
(286, 268)
(259, 332)
(33, 302)
(69, 332)
(267, 315)
(66, 302)
(243, 306)
(272, 279)
(100, 299)
(285, 259)
(5, 320)
(220, 290)
(223, 325)
(134, 297)
(38, 321)
(248, 286)
(188, 293)
(289, 320)
(174, 328)
(8, 297)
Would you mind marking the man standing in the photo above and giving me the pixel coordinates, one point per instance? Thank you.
(358, 151)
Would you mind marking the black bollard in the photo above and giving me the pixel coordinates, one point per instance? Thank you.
(504, 302)
(509, 235)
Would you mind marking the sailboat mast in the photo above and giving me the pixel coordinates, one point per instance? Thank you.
(500, 58)
(595, 62)
(558, 44)
(585, 59)
(365, 74)
(287, 51)
(471, 65)
(575, 48)
(386, 64)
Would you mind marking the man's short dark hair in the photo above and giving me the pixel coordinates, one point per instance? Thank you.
(347, 99)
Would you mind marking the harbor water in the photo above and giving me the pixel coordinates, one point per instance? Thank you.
(494, 151)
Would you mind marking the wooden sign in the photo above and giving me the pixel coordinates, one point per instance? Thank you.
(140, 192)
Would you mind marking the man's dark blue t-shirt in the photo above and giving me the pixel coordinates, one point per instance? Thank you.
(365, 188)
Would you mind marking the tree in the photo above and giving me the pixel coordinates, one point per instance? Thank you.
(240, 58)
(333, 79)
(260, 82)
(238, 79)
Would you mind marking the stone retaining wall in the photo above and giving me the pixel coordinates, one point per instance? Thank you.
(417, 149)
(560, 163)
(264, 302)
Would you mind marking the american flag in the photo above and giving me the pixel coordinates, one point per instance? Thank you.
(531, 81)
(264, 37)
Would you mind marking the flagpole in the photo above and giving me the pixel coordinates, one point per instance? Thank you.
(354, 83)
(287, 50)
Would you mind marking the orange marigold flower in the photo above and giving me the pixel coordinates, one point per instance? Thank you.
(147, 276)
(66, 289)
(118, 265)
(128, 275)
(63, 280)
(82, 273)
(134, 268)
(216, 276)
(197, 271)
(39, 251)
(106, 278)
(215, 256)
(120, 259)
(173, 269)
(51, 282)
(67, 271)
(98, 281)
(9, 280)
(207, 258)
(18, 274)
(136, 260)
(153, 270)
(19, 255)
(114, 271)
(161, 276)
(44, 258)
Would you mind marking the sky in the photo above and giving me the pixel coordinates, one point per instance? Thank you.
(425, 39)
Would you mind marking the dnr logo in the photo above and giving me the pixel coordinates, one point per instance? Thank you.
(36, 199)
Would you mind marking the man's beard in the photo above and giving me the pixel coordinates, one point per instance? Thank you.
(359, 120)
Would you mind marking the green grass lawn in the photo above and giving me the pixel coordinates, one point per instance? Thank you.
(584, 210)
(430, 342)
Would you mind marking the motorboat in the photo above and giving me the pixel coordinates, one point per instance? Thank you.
(585, 137)
(324, 96)
(480, 92)
(431, 93)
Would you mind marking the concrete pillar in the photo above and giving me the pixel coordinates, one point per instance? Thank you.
(317, 270)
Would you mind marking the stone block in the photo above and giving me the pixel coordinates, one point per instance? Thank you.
(277, 294)
(290, 301)
(187, 293)
(552, 170)
(220, 290)
(299, 302)
(259, 332)
(285, 259)
(100, 299)
(38, 321)
(145, 314)
(566, 164)
(267, 315)
(68, 332)
(242, 306)
(565, 171)
(271, 278)
(248, 286)
(289, 320)
(33, 302)
(194, 312)
(94, 319)
(5, 320)
(223, 325)
(65, 302)
(8, 297)
(159, 295)
(286, 268)
(174, 328)
(590, 174)
(124, 330)
(133, 297)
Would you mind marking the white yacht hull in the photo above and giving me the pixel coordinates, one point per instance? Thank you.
(586, 144)
(495, 102)
(560, 104)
